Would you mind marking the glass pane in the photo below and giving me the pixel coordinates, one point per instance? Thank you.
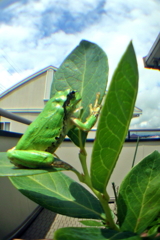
(7, 126)
(1, 126)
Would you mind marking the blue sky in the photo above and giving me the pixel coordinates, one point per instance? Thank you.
(38, 33)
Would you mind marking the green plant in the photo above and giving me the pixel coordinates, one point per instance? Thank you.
(86, 70)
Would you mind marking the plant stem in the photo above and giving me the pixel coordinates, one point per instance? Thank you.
(134, 158)
(114, 190)
(110, 222)
(103, 198)
(82, 157)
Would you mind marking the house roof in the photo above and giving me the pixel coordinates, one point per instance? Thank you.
(137, 112)
(27, 79)
(152, 60)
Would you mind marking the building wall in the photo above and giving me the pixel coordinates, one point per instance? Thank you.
(30, 95)
(17, 126)
(27, 100)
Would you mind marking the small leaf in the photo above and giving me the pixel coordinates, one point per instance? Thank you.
(92, 234)
(155, 221)
(139, 195)
(153, 230)
(60, 194)
(8, 169)
(92, 223)
(114, 120)
(85, 70)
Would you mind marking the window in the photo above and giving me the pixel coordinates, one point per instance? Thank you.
(5, 126)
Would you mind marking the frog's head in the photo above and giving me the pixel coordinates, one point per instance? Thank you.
(73, 98)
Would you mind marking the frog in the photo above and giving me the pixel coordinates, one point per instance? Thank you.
(36, 148)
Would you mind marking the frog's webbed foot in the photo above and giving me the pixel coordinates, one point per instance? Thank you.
(94, 110)
(91, 120)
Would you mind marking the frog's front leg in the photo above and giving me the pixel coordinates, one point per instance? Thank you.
(30, 158)
(91, 120)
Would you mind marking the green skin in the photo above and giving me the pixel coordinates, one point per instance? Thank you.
(36, 147)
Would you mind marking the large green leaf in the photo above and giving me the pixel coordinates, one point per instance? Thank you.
(60, 194)
(139, 195)
(84, 70)
(92, 234)
(8, 169)
(114, 120)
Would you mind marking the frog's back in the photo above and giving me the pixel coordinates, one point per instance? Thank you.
(47, 128)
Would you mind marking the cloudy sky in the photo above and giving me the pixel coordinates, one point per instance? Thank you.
(38, 33)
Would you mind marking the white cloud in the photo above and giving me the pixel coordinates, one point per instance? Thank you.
(41, 33)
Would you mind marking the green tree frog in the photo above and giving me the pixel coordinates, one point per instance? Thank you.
(36, 147)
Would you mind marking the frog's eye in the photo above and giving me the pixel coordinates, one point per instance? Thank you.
(71, 94)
